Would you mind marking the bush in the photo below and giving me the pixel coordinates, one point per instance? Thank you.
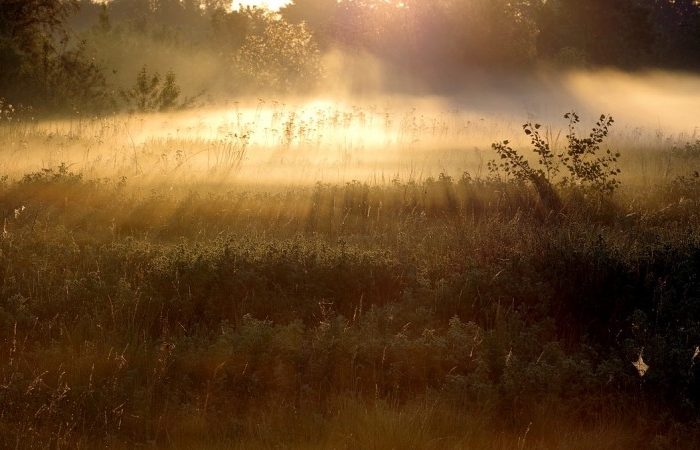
(581, 159)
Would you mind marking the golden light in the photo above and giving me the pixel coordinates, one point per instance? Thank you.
(272, 5)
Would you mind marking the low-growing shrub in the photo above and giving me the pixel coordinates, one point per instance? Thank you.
(581, 160)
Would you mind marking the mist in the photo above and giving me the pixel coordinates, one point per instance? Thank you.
(371, 133)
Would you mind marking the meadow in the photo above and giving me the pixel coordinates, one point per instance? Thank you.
(316, 275)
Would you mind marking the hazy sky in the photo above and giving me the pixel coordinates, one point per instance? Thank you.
(272, 4)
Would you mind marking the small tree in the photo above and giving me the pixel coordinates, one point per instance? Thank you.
(143, 96)
(277, 53)
(581, 159)
(169, 93)
(152, 93)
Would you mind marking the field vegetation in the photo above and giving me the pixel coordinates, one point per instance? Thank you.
(446, 311)
(357, 224)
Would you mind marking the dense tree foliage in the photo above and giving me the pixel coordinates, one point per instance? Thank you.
(677, 27)
(500, 33)
(605, 32)
(39, 64)
(277, 53)
(445, 32)
(74, 54)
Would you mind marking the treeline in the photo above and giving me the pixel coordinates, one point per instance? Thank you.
(89, 56)
(507, 33)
